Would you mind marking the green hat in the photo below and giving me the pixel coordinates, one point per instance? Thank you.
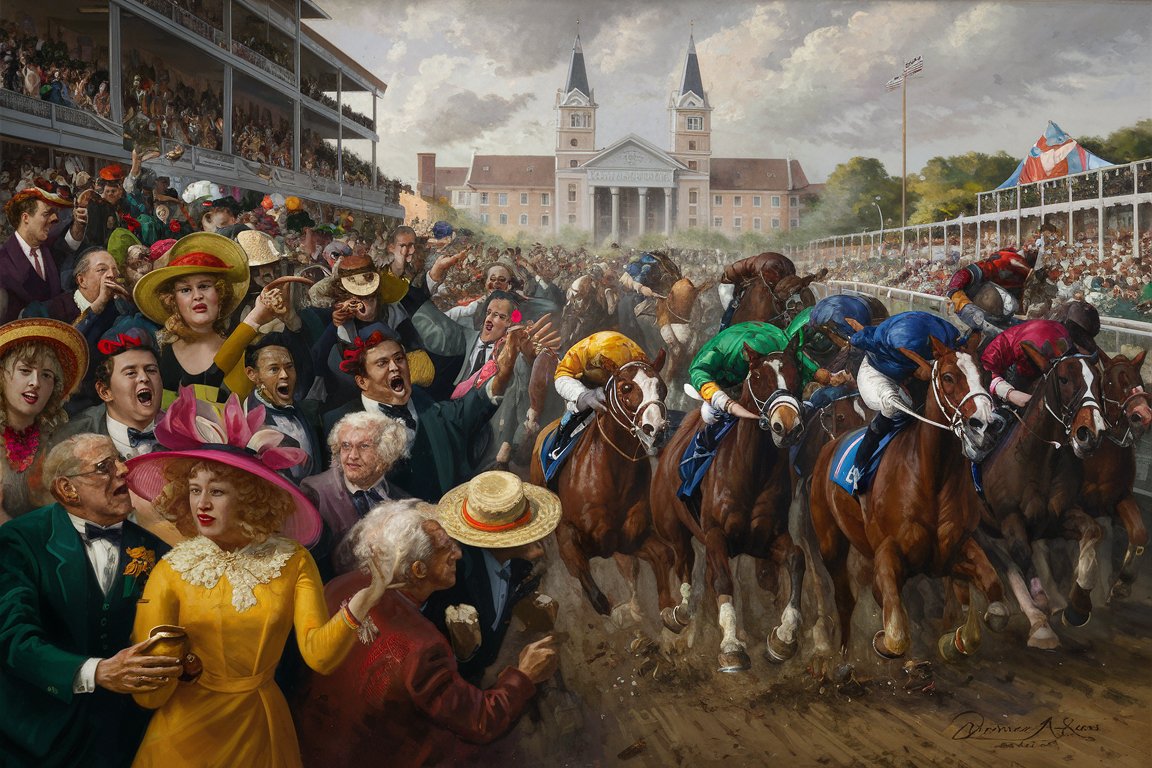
(119, 242)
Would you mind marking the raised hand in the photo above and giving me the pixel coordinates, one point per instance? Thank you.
(439, 269)
(539, 660)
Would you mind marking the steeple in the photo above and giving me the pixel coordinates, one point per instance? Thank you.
(577, 75)
(689, 116)
(575, 113)
(690, 82)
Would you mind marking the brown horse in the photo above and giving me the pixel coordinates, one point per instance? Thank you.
(674, 320)
(826, 424)
(603, 485)
(1110, 472)
(920, 513)
(773, 293)
(743, 508)
(1032, 483)
(585, 313)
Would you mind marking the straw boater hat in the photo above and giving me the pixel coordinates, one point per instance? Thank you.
(261, 248)
(70, 348)
(191, 429)
(202, 253)
(497, 509)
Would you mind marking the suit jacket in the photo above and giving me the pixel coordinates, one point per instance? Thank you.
(92, 420)
(308, 420)
(53, 617)
(473, 587)
(23, 286)
(402, 696)
(330, 496)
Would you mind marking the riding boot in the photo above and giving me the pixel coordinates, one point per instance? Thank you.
(881, 425)
(567, 426)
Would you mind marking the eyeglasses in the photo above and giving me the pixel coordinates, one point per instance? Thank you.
(360, 447)
(103, 467)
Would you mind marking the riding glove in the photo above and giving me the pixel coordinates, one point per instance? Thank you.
(592, 398)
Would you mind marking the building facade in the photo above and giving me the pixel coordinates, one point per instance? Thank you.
(630, 187)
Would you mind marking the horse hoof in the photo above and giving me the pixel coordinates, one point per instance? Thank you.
(1121, 590)
(1042, 637)
(778, 650)
(881, 649)
(735, 661)
(1071, 617)
(947, 645)
(996, 617)
(673, 620)
(602, 606)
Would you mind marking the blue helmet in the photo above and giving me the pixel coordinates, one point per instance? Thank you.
(829, 314)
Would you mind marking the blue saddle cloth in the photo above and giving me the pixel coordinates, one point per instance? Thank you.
(552, 456)
(844, 461)
(699, 454)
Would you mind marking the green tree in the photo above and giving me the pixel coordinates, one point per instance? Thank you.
(947, 186)
(1124, 145)
(850, 199)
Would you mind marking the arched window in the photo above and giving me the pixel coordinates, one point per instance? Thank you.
(577, 120)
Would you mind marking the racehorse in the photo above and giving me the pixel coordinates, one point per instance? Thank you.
(826, 424)
(1032, 483)
(585, 312)
(743, 508)
(603, 485)
(1110, 472)
(674, 320)
(775, 293)
(921, 509)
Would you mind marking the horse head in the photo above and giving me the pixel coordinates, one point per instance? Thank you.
(958, 394)
(1070, 388)
(792, 294)
(1126, 403)
(636, 396)
(773, 383)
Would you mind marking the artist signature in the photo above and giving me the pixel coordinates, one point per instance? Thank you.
(1029, 734)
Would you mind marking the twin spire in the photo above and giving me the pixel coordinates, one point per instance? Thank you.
(690, 82)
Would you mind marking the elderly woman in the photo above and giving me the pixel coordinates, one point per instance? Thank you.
(401, 695)
(192, 297)
(41, 362)
(237, 590)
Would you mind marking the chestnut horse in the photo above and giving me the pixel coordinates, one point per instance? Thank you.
(775, 294)
(1110, 472)
(743, 507)
(1032, 483)
(603, 485)
(921, 510)
(674, 320)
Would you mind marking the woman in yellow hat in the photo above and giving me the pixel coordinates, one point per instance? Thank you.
(41, 362)
(192, 297)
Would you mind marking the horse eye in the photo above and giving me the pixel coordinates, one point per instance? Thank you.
(625, 388)
(1063, 379)
(948, 378)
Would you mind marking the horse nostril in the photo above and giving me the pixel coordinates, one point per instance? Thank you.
(648, 429)
(1136, 418)
(975, 423)
(778, 428)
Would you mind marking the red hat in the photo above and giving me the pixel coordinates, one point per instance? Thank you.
(114, 172)
(160, 248)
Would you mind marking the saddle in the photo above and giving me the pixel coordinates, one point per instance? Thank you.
(843, 470)
(559, 442)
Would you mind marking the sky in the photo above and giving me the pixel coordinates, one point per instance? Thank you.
(801, 78)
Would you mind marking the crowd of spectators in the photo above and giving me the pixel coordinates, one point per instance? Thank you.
(45, 68)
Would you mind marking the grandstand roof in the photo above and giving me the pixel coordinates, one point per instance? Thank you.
(512, 171)
(755, 173)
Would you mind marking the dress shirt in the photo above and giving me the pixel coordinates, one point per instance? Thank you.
(373, 406)
(46, 259)
(288, 421)
(104, 557)
(498, 574)
(118, 431)
(480, 354)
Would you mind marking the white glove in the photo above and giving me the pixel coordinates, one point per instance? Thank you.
(592, 399)
(721, 401)
(709, 414)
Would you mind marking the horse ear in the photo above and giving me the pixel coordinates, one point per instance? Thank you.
(1105, 359)
(854, 324)
(923, 368)
(939, 348)
(973, 344)
(750, 354)
(1037, 357)
(1138, 360)
(661, 356)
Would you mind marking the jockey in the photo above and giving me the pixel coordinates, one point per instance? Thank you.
(826, 344)
(581, 375)
(885, 369)
(1007, 272)
(720, 363)
(768, 266)
(1013, 371)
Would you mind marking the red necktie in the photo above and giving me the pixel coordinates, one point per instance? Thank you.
(37, 263)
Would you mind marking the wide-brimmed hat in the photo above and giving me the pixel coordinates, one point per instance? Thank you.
(497, 509)
(261, 248)
(358, 275)
(193, 430)
(202, 253)
(70, 348)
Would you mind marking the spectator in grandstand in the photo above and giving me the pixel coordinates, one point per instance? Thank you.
(30, 258)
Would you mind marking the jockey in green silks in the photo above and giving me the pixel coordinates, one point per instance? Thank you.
(720, 364)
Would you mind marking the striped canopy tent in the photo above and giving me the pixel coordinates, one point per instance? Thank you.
(1055, 154)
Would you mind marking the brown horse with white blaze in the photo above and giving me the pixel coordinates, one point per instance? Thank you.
(603, 485)
(743, 508)
(921, 510)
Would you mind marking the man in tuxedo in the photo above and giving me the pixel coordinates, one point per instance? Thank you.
(70, 576)
(438, 432)
(30, 259)
(365, 445)
(270, 364)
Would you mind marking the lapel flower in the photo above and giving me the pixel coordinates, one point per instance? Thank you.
(140, 563)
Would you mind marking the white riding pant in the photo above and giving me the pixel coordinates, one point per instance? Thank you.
(879, 392)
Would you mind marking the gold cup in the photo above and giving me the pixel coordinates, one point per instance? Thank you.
(168, 640)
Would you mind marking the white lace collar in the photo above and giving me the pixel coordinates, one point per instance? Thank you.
(201, 563)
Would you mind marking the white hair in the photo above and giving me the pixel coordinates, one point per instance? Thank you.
(391, 435)
(392, 536)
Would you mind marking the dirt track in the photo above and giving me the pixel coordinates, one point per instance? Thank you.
(663, 704)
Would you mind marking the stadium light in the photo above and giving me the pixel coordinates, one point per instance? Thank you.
(901, 81)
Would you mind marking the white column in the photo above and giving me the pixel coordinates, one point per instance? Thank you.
(615, 214)
(590, 218)
(668, 192)
(643, 209)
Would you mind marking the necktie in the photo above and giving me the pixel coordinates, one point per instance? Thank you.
(481, 358)
(37, 263)
(135, 437)
(94, 532)
(400, 412)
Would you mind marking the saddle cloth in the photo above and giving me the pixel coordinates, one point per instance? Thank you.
(698, 456)
(552, 456)
(843, 470)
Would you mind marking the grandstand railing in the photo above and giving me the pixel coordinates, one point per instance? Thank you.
(263, 62)
(187, 20)
(55, 114)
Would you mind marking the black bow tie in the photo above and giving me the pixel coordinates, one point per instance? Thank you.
(364, 500)
(505, 572)
(399, 412)
(112, 533)
(135, 437)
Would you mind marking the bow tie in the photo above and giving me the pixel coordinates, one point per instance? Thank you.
(112, 533)
(505, 572)
(363, 500)
(400, 412)
(136, 436)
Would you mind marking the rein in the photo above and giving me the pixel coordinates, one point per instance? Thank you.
(955, 423)
(632, 425)
(1128, 438)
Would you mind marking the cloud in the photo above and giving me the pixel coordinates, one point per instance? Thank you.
(464, 116)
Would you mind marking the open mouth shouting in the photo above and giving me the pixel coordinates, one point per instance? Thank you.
(145, 395)
(396, 383)
(283, 391)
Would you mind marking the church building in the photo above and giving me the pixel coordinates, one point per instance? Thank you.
(630, 187)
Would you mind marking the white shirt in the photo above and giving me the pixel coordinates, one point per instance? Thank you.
(373, 406)
(46, 260)
(104, 557)
(118, 431)
(498, 584)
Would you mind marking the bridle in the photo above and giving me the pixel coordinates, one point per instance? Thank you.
(629, 419)
(1135, 393)
(1083, 398)
(955, 423)
(778, 399)
(828, 409)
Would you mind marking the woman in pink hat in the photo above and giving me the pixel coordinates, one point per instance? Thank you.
(236, 589)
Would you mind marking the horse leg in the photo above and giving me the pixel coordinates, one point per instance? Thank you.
(1129, 514)
(782, 641)
(577, 562)
(1042, 562)
(965, 639)
(1088, 531)
(1032, 598)
(671, 550)
(887, 579)
(630, 569)
(975, 566)
(733, 656)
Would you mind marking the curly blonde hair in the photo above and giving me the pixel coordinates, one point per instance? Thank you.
(175, 329)
(262, 506)
(39, 354)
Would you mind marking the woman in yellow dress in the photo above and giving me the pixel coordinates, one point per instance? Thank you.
(236, 589)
